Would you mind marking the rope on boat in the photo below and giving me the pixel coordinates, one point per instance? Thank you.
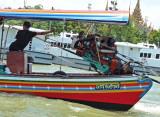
(154, 80)
(153, 73)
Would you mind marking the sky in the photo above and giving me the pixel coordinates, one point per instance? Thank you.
(149, 8)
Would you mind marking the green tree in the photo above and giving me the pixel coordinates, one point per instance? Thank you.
(38, 6)
(154, 37)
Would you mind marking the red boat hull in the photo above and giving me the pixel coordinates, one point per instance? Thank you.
(102, 93)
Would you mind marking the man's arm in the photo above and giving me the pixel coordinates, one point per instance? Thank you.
(44, 33)
(108, 47)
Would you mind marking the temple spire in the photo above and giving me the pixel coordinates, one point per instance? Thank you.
(137, 16)
(106, 6)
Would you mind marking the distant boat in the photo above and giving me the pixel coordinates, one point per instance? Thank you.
(151, 60)
(147, 54)
(133, 50)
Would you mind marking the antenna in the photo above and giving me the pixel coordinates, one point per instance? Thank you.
(129, 12)
(114, 5)
(106, 6)
(89, 6)
(24, 2)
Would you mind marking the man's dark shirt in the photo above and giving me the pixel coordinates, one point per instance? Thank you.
(23, 37)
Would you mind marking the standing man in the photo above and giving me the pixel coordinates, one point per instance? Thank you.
(23, 37)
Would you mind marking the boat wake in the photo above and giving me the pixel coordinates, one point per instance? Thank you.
(149, 108)
(77, 109)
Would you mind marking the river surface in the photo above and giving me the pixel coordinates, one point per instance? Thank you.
(18, 105)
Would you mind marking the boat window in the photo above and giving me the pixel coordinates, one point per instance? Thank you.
(149, 55)
(141, 54)
(157, 56)
(145, 54)
(68, 35)
(151, 47)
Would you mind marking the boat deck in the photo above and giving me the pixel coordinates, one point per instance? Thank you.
(69, 75)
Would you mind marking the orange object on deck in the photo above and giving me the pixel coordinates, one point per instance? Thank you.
(17, 62)
(114, 65)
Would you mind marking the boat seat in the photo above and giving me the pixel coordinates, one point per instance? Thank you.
(17, 62)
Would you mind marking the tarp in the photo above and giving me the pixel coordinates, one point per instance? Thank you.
(111, 17)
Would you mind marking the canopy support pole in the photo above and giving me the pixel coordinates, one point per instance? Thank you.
(5, 42)
(64, 25)
(95, 40)
(1, 44)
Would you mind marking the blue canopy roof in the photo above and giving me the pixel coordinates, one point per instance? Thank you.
(111, 17)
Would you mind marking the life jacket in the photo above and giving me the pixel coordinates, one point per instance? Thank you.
(80, 50)
(114, 64)
(106, 47)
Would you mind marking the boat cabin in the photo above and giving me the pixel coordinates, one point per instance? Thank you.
(150, 57)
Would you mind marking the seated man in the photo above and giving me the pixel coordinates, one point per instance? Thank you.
(107, 51)
(127, 69)
(108, 43)
(90, 53)
(107, 48)
(77, 43)
(76, 40)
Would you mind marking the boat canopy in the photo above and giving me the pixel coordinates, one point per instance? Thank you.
(110, 17)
